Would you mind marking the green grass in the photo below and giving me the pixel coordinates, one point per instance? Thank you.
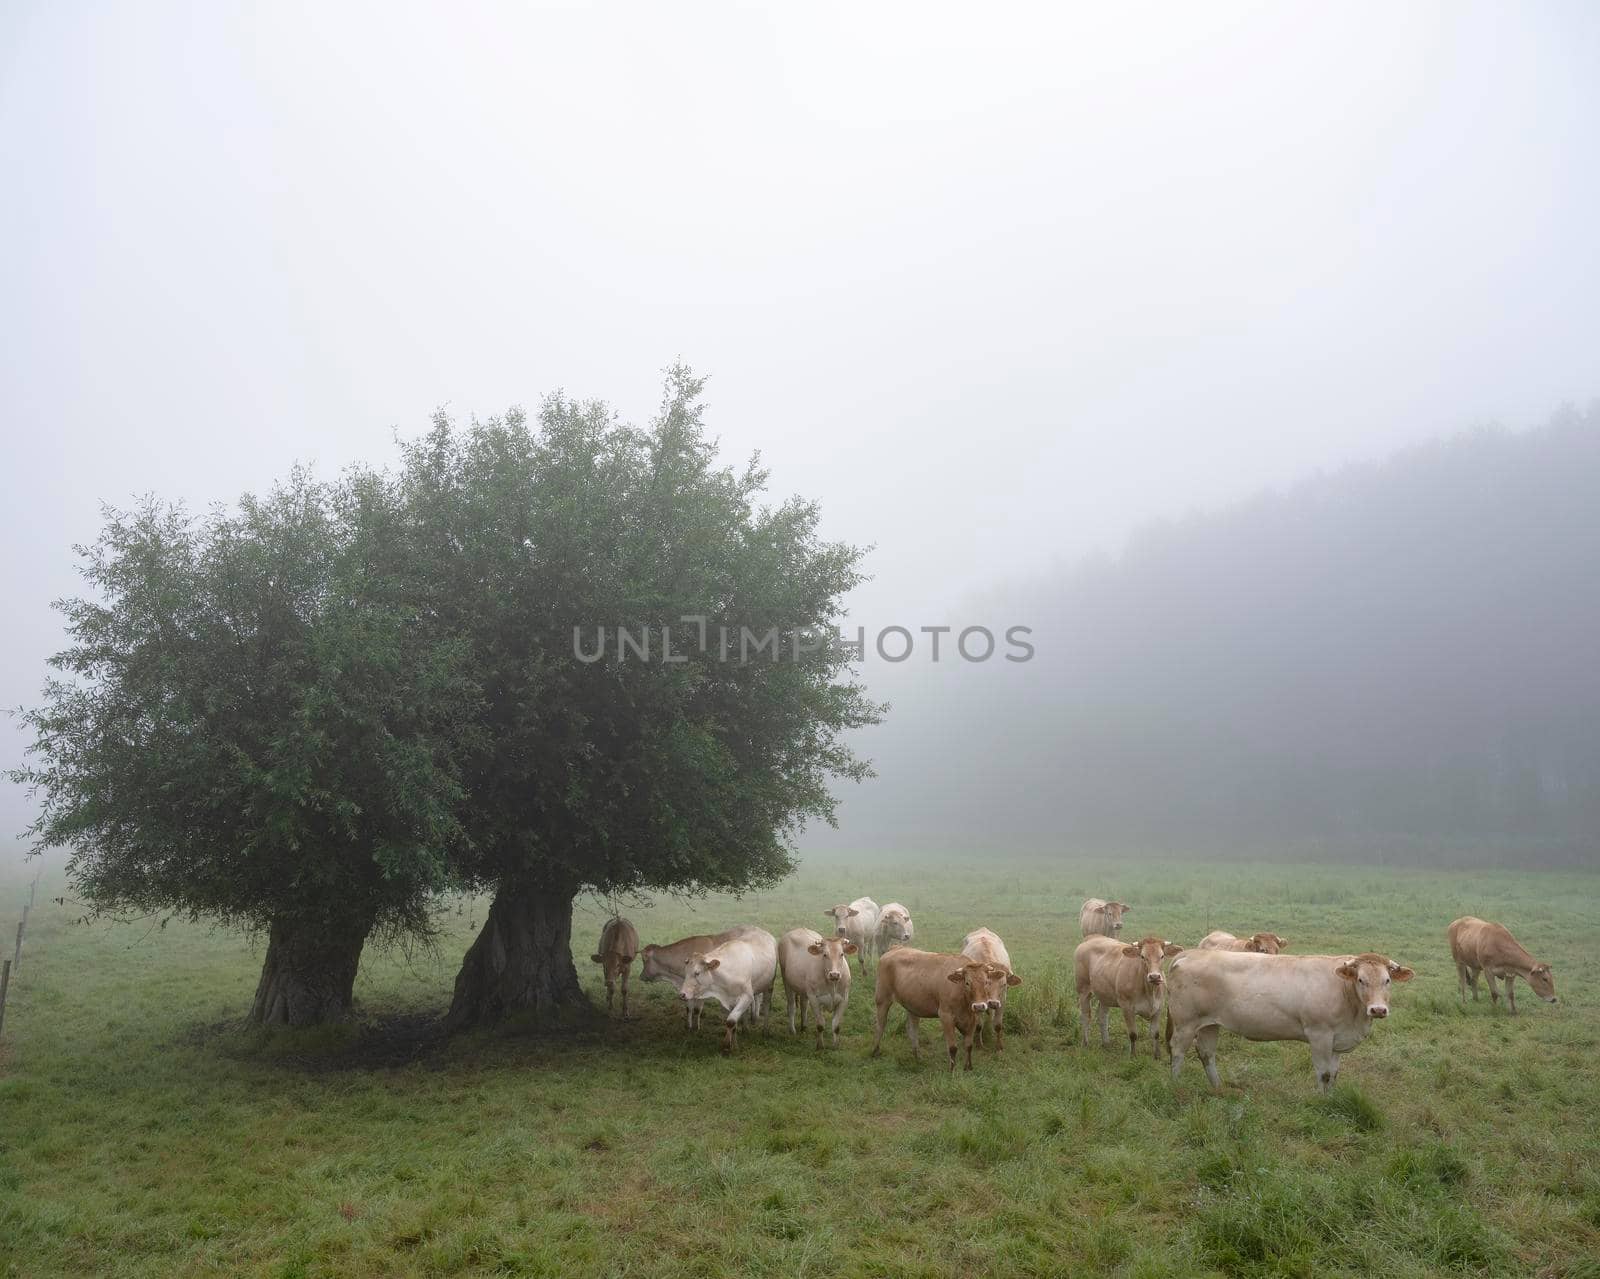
(139, 1134)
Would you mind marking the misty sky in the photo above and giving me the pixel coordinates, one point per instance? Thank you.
(997, 286)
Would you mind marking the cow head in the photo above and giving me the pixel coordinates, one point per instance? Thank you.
(834, 950)
(1151, 952)
(697, 977)
(651, 968)
(1543, 982)
(839, 914)
(1370, 975)
(1114, 914)
(1268, 943)
(984, 984)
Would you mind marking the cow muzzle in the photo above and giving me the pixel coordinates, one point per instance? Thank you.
(834, 976)
(994, 1005)
(1377, 1010)
(1153, 978)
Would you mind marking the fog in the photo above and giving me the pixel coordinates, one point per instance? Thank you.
(999, 289)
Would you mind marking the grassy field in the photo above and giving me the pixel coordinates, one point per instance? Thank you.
(140, 1134)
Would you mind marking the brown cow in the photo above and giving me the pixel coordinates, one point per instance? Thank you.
(1259, 943)
(619, 943)
(984, 946)
(1480, 946)
(1129, 977)
(953, 988)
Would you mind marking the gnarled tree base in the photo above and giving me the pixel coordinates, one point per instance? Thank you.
(521, 961)
(309, 976)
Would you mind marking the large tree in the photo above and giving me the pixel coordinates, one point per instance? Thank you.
(252, 724)
(538, 541)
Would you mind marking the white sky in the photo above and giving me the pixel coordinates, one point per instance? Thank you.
(995, 284)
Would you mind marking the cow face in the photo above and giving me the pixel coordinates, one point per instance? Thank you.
(984, 984)
(1151, 952)
(1543, 982)
(1370, 975)
(839, 914)
(835, 951)
(1114, 913)
(697, 979)
(896, 926)
(1268, 944)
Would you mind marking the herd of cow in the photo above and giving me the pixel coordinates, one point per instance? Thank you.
(1242, 984)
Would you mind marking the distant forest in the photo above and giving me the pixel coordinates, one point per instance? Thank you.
(1396, 661)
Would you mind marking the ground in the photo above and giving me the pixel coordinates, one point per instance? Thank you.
(141, 1133)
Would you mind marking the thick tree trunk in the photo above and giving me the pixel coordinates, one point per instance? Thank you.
(309, 975)
(521, 961)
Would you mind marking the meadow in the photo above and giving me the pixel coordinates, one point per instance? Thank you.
(142, 1132)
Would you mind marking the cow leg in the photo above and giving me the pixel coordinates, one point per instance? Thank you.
(911, 1029)
(1155, 1034)
(998, 1021)
(789, 1003)
(731, 1023)
(1205, 1044)
(1511, 994)
(1494, 990)
(947, 1023)
(1105, 1027)
(611, 991)
(973, 1030)
(1084, 996)
(1178, 1046)
(1324, 1061)
(883, 1020)
(1461, 983)
(1130, 1020)
(838, 1020)
(624, 993)
(1472, 979)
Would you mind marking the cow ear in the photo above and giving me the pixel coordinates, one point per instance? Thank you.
(1125, 907)
(713, 963)
(960, 974)
(1283, 942)
(854, 911)
(1132, 952)
(815, 948)
(1169, 949)
(597, 959)
(1013, 980)
(1400, 972)
(1347, 971)
(850, 948)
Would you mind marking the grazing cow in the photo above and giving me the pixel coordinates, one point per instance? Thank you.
(858, 923)
(1127, 976)
(619, 943)
(738, 974)
(894, 927)
(985, 947)
(816, 969)
(953, 988)
(669, 962)
(1257, 943)
(1326, 1001)
(1100, 918)
(1480, 946)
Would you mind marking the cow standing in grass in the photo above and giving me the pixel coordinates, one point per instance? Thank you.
(816, 970)
(857, 923)
(619, 943)
(955, 989)
(1480, 946)
(984, 946)
(1130, 977)
(738, 974)
(1100, 918)
(670, 962)
(1327, 1001)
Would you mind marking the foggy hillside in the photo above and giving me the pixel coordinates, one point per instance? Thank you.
(1395, 660)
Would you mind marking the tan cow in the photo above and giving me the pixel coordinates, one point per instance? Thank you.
(1480, 946)
(985, 947)
(670, 962)
(1326, 1001)
(953, 988)
(1258, 943)
(1110, 972)
(858, 923)
(816, 969)
(1100, 918)
(619, 943)
(894, 927)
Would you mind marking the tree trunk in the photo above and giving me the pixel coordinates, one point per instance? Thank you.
(521, 961)
(309, 975)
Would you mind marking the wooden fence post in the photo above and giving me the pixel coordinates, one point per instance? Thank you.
(16, 958)
(5, 985)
